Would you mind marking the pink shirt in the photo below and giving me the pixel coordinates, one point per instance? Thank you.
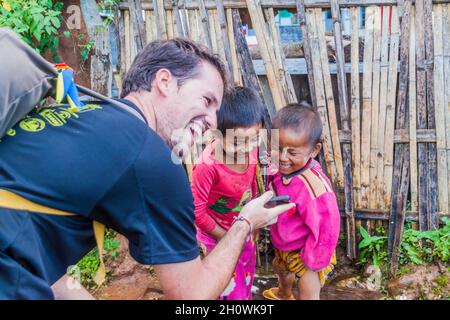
(313, 225)
(219, 191)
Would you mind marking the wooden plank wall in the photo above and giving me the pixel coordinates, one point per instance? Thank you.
(369, 123)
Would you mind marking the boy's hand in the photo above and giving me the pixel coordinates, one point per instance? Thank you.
(258, 215)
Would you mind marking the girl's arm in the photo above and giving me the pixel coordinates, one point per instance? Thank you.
(203, 179)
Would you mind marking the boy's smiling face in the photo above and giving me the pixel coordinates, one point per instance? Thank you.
(294, 150)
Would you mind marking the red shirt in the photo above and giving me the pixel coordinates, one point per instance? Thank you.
(220, 191)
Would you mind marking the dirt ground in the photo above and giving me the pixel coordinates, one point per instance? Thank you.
(131, 281)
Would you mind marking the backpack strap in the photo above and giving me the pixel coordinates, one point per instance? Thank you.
(11, 200)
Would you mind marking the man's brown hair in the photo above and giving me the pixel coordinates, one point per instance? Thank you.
(181, 56)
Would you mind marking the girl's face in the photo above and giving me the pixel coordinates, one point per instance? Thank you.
(294, 150)
(239, 142)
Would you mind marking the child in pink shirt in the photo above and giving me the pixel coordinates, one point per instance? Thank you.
(224, 177)
(305, 237)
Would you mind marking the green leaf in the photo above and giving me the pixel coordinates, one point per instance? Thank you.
(363, 232)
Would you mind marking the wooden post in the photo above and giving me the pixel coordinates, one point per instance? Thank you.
(390, 108)
(424, 168)
(224, 32)
(122, 45)
(137, 23)
(366, 106)
(234, 59)
(433, 217)
(400, 181)
(375, 108)
(384, 81)
(250, 79)
(413, 113)
(346, 148)
(306, 49)
(355, 109)
(320, 95)
(446, 35)
(331, 108)
(101, 67)
(158, 7)
(178, 26)
(205, 23)
(443, 183)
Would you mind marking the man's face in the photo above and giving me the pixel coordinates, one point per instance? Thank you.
(191, 109)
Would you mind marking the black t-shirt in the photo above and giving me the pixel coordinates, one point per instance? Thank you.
(104, 164)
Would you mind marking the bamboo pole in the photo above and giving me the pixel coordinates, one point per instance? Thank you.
(331, 108)
(170, 24)
(384, 68)
(400, 182)
(127, 40)
(320, 96)
(366, 106)
(355, 109)
(148, 26)
(160, 20)
(234, 58)
(443, 183)
(376, 60)
(122, 45)
(346, 150)
(306, 49)
(288, 86)
(413, 114)
(137, 24)
(212, 32)
(258, 26)
(390, 107)
(222, 18)
(193, 30)
(219, 37)
(433, 218)
(205, 24)
(177, 19)
(446, 36)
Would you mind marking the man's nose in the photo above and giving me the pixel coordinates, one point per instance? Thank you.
(211, 119)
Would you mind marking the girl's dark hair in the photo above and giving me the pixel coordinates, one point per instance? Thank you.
(241, 107)
(181, 56)
(301, 118)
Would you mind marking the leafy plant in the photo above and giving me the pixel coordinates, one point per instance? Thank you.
(372, 247)
(86, 49)
(88, 266)
(417, 247)
(36, 21)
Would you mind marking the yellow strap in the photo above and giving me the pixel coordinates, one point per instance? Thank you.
(13, 201)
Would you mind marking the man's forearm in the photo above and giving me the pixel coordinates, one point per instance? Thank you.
(221, 261)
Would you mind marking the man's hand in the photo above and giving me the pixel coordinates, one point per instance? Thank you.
(259, 216)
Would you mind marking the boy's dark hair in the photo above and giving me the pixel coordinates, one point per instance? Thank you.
(301, 118)
(241, 107)
(180, 56)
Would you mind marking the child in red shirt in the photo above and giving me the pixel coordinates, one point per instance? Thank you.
(224, 177)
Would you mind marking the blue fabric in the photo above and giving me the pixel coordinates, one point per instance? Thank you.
(104, 164)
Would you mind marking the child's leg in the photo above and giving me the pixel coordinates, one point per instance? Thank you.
(285, 282)
(309, 286)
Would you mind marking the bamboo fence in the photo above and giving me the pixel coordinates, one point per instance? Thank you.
(386, 119)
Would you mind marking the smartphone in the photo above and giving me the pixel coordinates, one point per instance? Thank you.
(275, 201)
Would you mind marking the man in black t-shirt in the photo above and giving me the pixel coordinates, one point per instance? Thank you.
(105, 164)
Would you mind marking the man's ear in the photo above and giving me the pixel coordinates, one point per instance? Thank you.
(163, 81)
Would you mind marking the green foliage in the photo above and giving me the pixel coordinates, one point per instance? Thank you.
(86, 49)
(88, 266)
(417, 247)
(36, 21)
(373, 248)
(442, 280)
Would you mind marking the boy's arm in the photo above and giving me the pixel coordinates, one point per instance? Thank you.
(322, 217)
